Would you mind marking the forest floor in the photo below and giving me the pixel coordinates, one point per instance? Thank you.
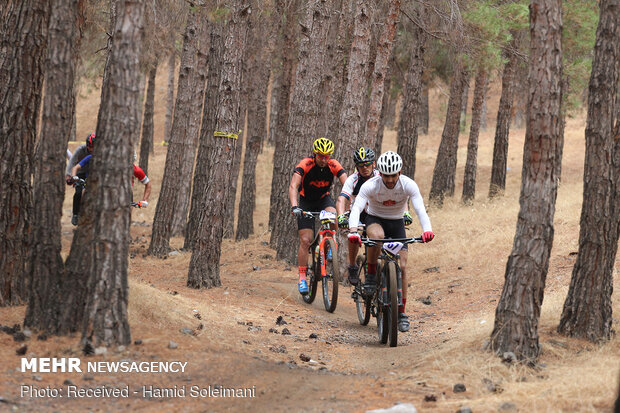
(229, 336)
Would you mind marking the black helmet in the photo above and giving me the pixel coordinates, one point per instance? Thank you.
(90, 140)
(363, 155)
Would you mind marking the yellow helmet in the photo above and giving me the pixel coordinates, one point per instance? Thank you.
(323, 146)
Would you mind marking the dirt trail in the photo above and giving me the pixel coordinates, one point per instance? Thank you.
(231, 344)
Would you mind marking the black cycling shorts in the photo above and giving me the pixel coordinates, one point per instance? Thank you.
(304, 222)
(392, 228)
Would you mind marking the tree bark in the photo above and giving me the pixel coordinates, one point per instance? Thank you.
(22, 55)
(445, 165)
(463, 119)
(303, 118)
(483, 120)
(384, 50)
(287, 46)
(105, 318)
(207, 141)
(351, 113)
(502, 127)
(181, 139)
(229, 220)
(587, 310)
(204, 267)
(469, 180)
(258, 70)
(169, 97)
(146, 143)
(385, 105)
(46, 265)
(334, 78)
(411, 103)
(179, 218)
(423, 113)
(518, 311)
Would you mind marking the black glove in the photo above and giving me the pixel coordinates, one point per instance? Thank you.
(297, 211)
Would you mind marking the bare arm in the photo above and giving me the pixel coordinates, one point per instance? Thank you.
(75, 169)
(293, 189)
(341, 205)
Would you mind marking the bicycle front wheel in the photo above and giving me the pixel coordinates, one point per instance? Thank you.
(312, 278)
(332, 277)
(362, 304)
(393, 307)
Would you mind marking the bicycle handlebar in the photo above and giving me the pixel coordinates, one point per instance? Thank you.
(371, 242)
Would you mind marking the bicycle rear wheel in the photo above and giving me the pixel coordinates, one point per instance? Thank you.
(312, 278)
(393, 307)
(362, 304)
(332, 277)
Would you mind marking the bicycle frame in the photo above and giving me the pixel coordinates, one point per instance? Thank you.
(324, 233)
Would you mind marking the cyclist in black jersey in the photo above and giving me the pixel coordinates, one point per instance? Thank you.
(312, 179)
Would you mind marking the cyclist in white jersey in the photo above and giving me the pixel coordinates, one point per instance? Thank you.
(385, 198)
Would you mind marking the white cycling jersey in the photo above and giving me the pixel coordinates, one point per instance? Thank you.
(354, 182)
(389, 203)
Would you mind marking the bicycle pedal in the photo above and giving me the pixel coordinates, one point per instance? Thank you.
(373, 311)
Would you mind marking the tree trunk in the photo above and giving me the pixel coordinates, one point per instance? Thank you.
(384, 50)
(169, 97)
(352, 123)
(207, 141)
(184, 187)
(423, 113)
(502, 127)
(518, 311)
(445, 165)
(109, 184)
(180, 142)
(22, 55)
(385, 105)
(463, 121)
(229, 219)
(287, 46)
(334, 81)
(258, 80)
(483, 119)
(146, 143)
(587, 310)
(204, 266)
(46, 265)
(273, 103)
(302, 121)
(469, 180)
(410, 106)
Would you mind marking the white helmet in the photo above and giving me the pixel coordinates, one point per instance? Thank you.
(389, 163)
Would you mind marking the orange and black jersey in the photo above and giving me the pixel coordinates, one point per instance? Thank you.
(316, 181)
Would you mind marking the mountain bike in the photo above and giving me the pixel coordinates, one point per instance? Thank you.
(383, 303)
(323, 262)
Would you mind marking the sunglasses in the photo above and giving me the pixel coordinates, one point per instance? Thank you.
(362, 165)
(323, 156)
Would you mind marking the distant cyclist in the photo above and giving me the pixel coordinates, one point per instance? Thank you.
(364, 159)
(80, 153)
(386, 198)
(312, 179)
(137, 173)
